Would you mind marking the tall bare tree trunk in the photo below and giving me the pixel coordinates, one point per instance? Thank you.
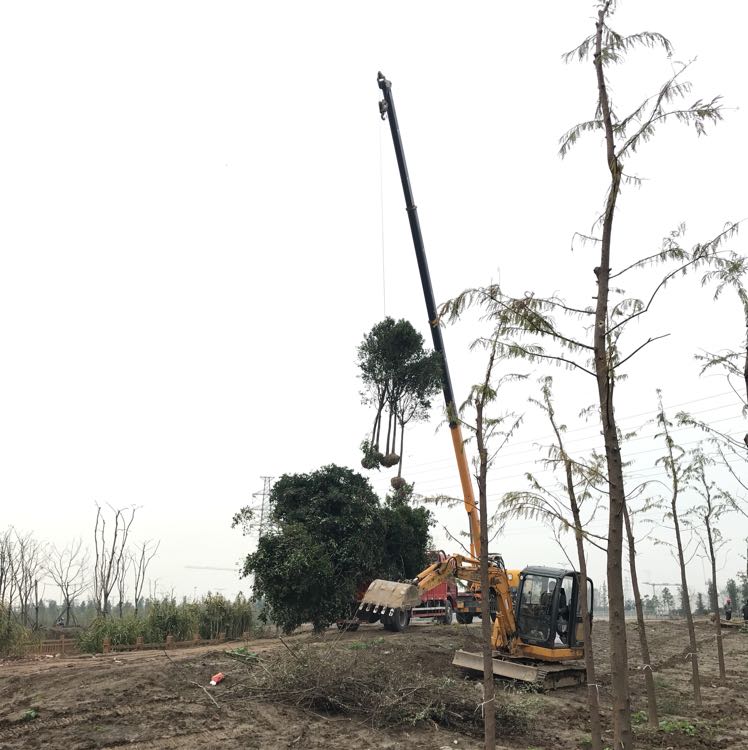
(389, 431)
(593, 697)
(714, 602)
(687, 610)
(489, 688)
(593, 700)
(402, 455)
(623, 739)
(652, 718)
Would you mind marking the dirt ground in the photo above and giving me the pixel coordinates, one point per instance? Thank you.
(148, 700)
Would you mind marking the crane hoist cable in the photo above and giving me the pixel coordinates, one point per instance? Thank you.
(381, 223)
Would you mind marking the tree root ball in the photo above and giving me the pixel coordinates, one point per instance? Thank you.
(370, 461)
(397, 483)
(391, 459)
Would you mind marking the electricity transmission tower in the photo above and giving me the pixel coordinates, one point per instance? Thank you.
(262, 506)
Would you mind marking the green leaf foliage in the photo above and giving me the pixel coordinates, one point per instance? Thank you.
(330, 537)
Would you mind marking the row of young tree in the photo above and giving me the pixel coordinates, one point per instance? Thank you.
(209, 617)
(84, 612)
(688, 506)
(669, 604)
(114, 575)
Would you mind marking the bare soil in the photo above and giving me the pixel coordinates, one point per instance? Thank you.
(151, 700)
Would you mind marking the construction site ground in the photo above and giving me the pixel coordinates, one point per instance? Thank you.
(151, 700)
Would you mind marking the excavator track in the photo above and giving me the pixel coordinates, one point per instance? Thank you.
(545, 676)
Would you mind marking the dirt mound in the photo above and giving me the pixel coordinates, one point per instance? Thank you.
(377, 681)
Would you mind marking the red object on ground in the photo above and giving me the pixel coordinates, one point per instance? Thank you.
(216, 678)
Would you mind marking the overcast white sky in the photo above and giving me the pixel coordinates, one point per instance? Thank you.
(192, 243)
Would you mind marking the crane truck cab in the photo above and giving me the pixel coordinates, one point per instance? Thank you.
(440, 602)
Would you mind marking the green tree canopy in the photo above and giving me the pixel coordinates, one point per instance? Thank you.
(330, 536)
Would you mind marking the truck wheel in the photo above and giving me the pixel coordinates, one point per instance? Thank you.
(464, 618)
(447, 619)
(399, 621)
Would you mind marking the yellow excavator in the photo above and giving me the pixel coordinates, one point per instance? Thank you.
(537, 623)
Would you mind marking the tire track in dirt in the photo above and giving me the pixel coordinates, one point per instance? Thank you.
(18, 729)
(684, 655)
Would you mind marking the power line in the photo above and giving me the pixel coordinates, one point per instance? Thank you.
(418, 468)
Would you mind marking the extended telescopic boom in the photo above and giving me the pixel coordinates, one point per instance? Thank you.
(387, 110)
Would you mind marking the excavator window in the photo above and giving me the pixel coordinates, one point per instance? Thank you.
(536, 607)
(547, 608)
(565, 599)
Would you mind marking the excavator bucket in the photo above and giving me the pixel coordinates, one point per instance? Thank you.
(388, 595)
(543, 675)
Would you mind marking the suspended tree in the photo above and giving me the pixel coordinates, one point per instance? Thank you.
(400, 378)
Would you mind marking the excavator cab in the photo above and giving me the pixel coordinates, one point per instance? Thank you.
(547, 608)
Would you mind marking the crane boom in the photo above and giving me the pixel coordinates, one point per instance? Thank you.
(387, 111)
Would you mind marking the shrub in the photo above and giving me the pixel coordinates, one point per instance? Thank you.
(166, 617)
(216, 614)
(122, 632)
(13, 636)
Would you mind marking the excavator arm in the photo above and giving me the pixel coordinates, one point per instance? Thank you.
(384, 597)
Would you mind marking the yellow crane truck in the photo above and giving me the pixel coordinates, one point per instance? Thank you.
(537, 633)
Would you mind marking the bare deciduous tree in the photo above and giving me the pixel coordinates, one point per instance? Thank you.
(677, 473)
(29, 564)
(110, 546)
(649, 683)
(491, 434)
(123, 568)
(7, 580)
(68, 568)
(141, 559)
(704, 519)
